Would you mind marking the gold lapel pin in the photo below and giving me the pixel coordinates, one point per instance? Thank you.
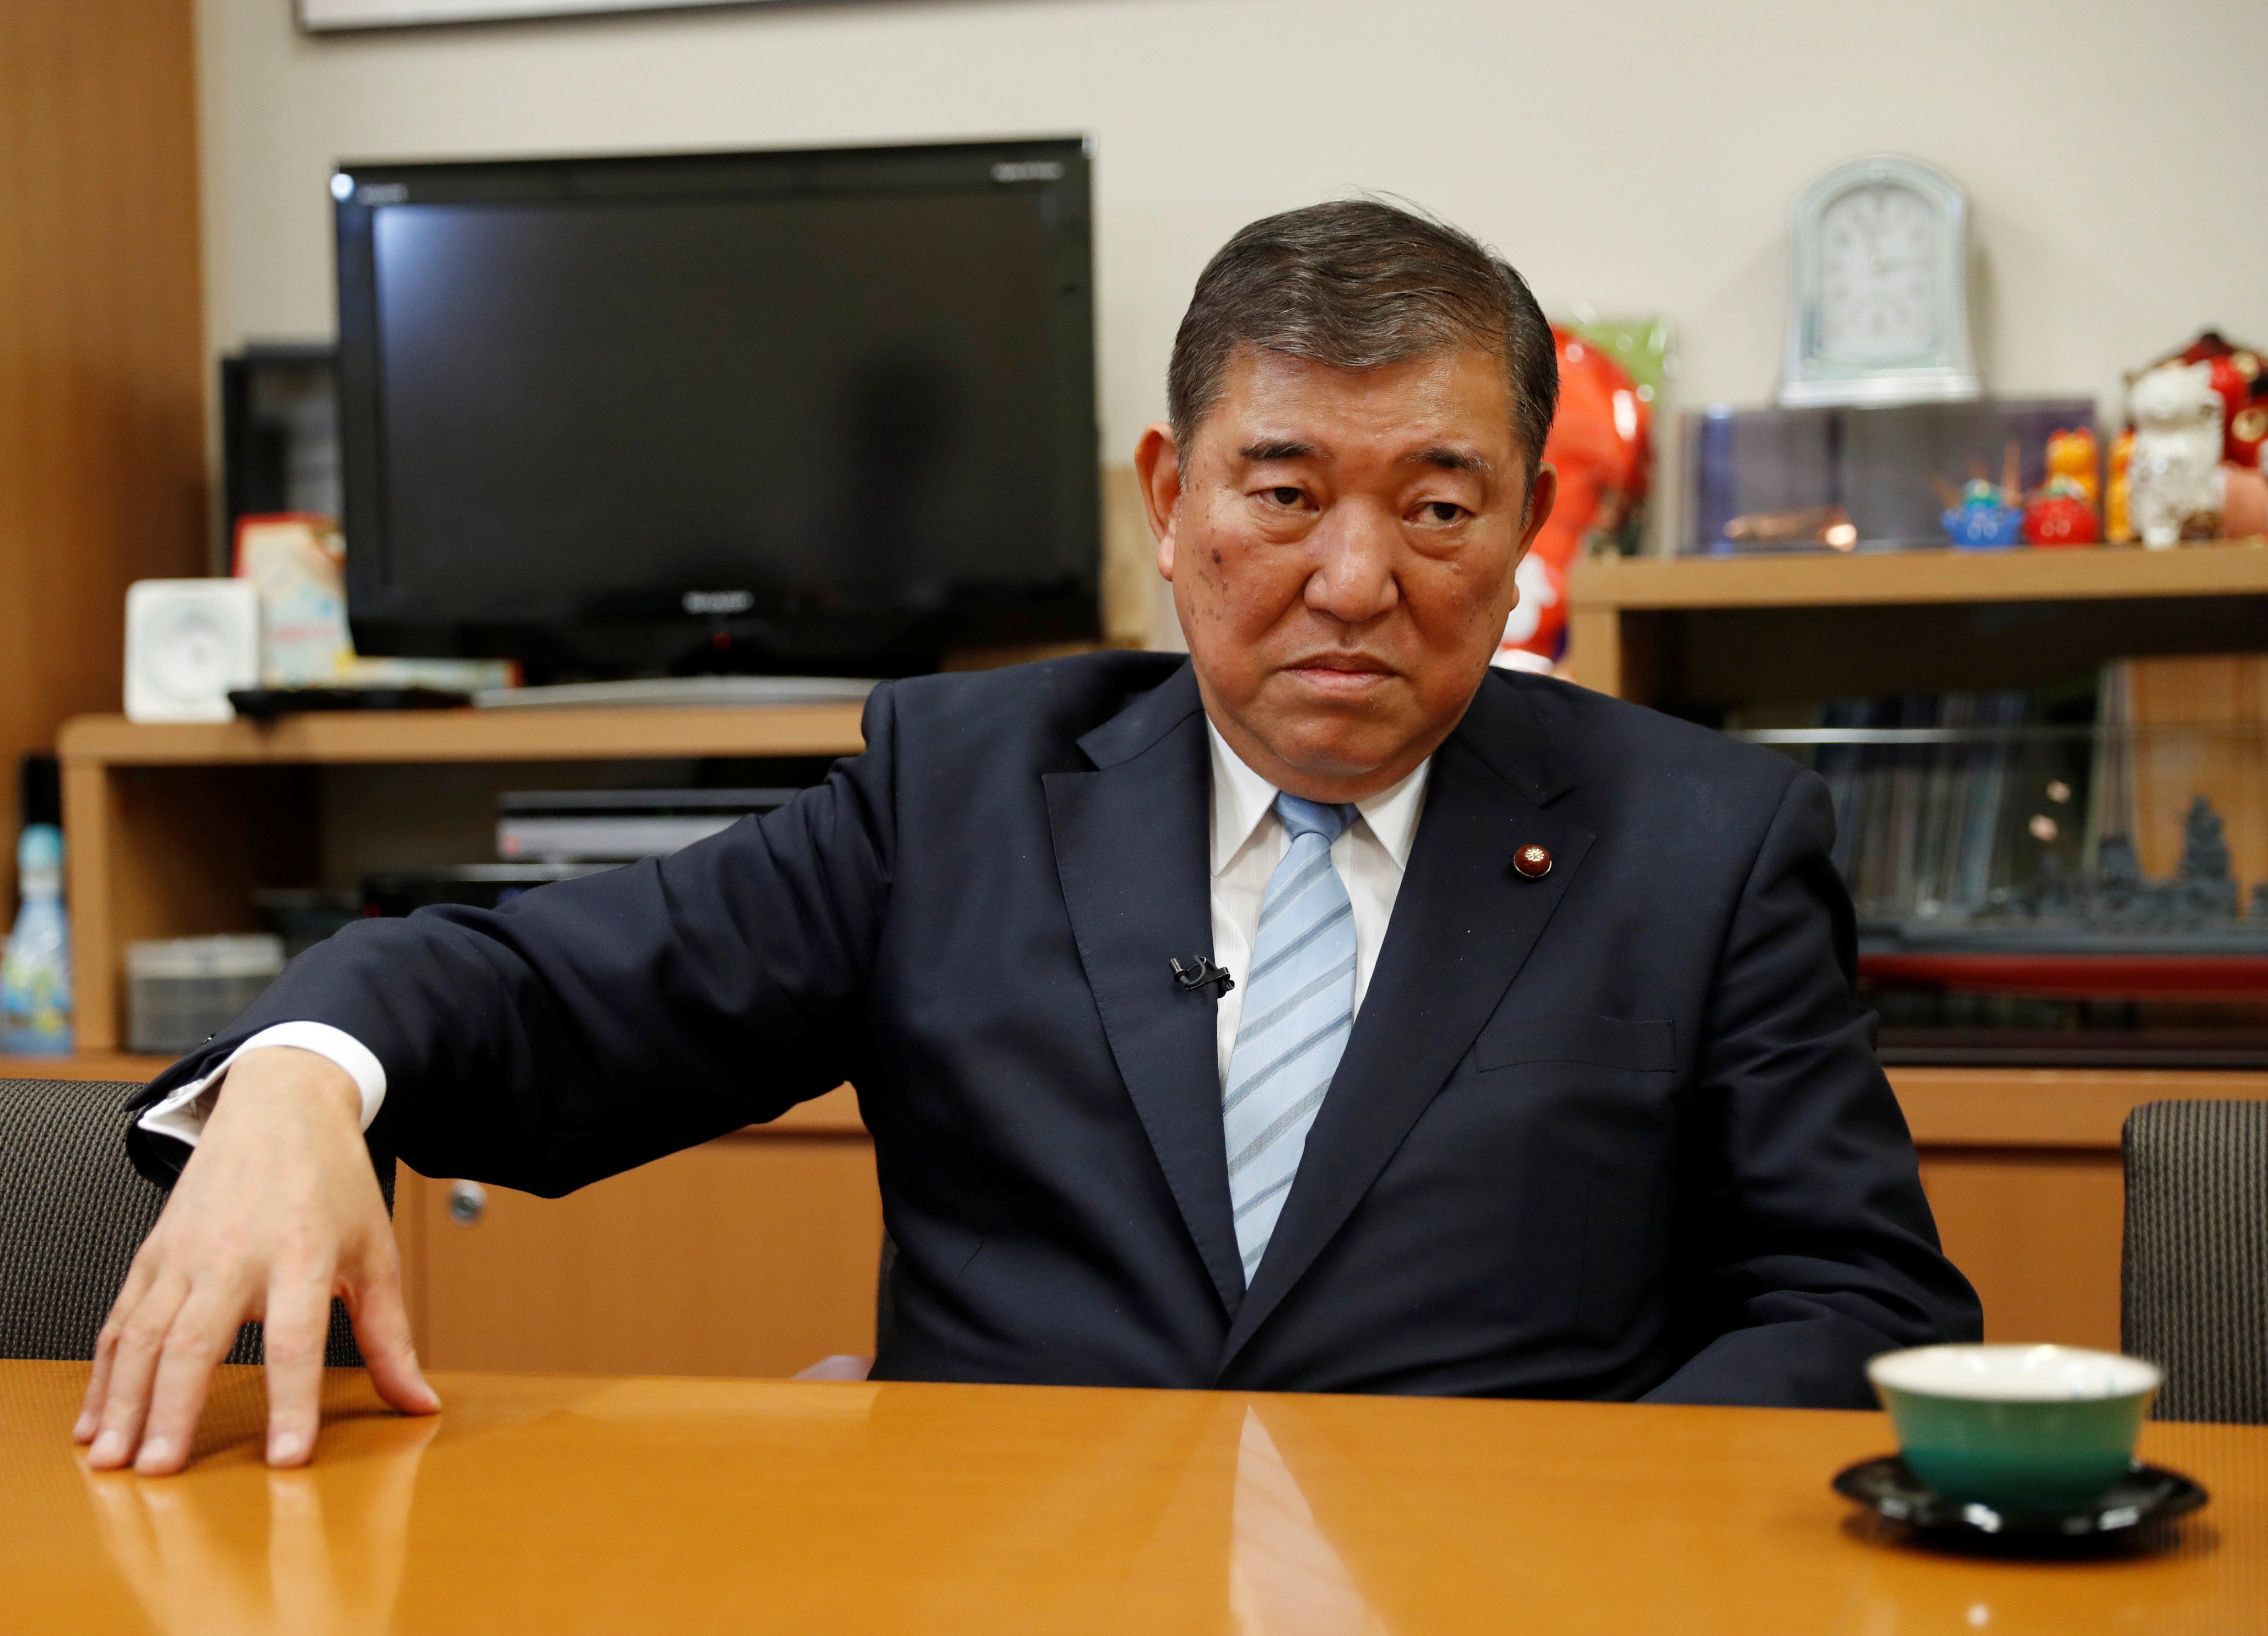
(1532, 861)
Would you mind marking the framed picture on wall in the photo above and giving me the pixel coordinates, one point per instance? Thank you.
(328, 16)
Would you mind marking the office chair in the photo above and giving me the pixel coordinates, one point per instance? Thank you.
(2195, 1279)
(73, 1210)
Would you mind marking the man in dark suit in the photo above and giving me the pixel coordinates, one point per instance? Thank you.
(1534, 1070)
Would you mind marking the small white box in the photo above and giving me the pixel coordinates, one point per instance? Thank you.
(188, 643)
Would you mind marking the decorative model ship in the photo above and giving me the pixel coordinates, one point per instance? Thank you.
(2112, 933)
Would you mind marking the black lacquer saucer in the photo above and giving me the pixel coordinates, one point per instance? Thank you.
(2147, 1495)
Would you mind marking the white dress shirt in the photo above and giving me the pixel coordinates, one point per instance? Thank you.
(1248, 843)
(184, 1114)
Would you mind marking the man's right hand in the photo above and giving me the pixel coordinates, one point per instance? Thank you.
(276, 1212)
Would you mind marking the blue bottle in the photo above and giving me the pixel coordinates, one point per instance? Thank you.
(35, 974)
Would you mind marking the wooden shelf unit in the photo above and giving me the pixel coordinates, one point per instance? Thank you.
(1765, 579)
(1730, 627)
(2021, 1165)
(173, 825)
(506, 735)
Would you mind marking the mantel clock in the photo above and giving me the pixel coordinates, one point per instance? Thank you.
(1880, 314)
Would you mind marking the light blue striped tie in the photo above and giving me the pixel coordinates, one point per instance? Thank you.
(1299, 1009)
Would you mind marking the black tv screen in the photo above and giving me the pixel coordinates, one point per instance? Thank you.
(789, 411)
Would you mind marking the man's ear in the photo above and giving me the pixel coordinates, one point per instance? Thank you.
(1542, 494)
(1158, 468)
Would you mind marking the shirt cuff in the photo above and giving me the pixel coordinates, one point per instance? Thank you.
(182, 1115)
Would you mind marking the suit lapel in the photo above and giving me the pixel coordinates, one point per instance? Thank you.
(1132, 851)
(1462, 926)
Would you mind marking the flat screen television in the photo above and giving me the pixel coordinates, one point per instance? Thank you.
(798, 412)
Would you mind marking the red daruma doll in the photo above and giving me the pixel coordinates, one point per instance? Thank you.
(1598, 445)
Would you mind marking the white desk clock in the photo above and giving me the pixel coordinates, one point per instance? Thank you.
(1880, 314)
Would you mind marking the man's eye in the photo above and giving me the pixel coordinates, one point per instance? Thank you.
(1285, 496)
(1441, 511)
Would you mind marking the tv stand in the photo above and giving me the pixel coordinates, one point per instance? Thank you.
(682, 692)
(172, 825)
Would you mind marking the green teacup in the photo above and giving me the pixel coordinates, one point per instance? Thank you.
(2041, 1430)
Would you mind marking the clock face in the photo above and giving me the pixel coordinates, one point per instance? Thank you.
(1878, 272)
(190, 655)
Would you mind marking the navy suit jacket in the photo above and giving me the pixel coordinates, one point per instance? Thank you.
(1616, 1132)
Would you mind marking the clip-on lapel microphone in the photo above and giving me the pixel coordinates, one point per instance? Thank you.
(1201, 973)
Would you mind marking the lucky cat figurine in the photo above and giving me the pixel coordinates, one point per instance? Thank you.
(2174, 478)
(2115, 527)
(2072, 454)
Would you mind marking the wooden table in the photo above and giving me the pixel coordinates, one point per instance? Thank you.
(555, 1504)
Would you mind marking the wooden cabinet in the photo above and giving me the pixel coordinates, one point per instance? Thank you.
(754, 1254)
(2023, 1171)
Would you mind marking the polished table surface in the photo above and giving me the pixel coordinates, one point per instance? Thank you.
(556, 1504)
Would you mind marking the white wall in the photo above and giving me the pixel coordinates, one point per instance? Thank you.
(1637, 155)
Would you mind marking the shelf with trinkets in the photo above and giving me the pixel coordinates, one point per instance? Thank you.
(2019, 1029)
(1723, 630)
(2041, 878)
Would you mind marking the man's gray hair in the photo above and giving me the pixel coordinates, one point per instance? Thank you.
(1359, 284)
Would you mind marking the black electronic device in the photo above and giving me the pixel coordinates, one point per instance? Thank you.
(279, 415)
(266, 704)
(619, 826)
(38, 791)
(392, 892)
(818, 412)
(1201, 973)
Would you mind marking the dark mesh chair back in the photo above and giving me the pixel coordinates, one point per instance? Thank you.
(73, 1210)
(2196, 1280)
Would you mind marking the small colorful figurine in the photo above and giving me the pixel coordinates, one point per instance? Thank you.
(2072, 455)
(1985, 520)
(2174, 483)
(2248, 436)
(1983, 516)
(2058, 513)
(2117, 528)
(2244, 501)
(1600, 447)
(2231, 500)
(2240, 380)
